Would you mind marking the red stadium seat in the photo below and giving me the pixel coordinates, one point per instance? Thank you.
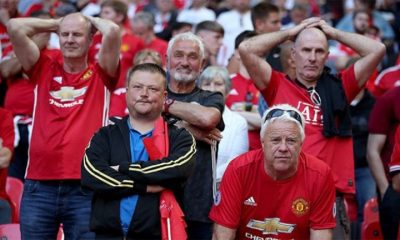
(371, 228)
(14, 189)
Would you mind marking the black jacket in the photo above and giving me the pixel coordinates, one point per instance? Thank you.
(110, 146)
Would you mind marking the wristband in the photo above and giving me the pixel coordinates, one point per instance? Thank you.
(167, 103)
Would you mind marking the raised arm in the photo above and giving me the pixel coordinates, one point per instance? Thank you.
(371, 51)
(110, 44)
(21, 30)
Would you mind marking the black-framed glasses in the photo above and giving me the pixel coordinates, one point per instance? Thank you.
(277, 112)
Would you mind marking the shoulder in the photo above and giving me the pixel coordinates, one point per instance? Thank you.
(313, 165)
(247, 161)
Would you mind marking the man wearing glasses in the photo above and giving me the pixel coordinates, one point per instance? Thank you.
(277, 192)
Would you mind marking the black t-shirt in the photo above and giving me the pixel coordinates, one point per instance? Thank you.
(198, 195)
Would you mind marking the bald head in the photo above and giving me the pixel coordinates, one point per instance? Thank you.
(76, 19)
(312, 34)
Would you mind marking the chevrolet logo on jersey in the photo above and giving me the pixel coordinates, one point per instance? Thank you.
(66, 94)
(271, 226)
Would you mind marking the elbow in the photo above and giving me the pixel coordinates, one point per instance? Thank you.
(114, 31)
(381, 49)
(243, 48)
(13, 26)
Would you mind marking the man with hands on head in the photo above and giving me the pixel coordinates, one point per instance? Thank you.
(323, 98)
(71, 103)
(277, 192)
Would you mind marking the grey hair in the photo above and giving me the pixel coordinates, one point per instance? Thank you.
(146, 18)
(214, 71)
(186, 36)
(284, 118)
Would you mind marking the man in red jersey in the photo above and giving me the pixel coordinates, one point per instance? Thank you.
(71, 103)
(277, 192)
(323, 98)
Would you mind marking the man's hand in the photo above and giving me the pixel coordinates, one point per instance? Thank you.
(309, 22)
(330, 32)
(203, 135)
(154, 189)
(5, 155)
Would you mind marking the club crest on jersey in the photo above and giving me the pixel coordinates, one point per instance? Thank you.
(300, 207)
(66, 93)
(217, 198)
(87, 74)
(272, 226)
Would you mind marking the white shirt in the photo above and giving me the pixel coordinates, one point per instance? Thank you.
(235, 140)
(195, 16)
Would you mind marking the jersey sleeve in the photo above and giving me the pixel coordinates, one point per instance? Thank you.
(323, 209)
(269, 93)
(227, 205)
(216, 100)
(43, 64)
(109, 82)
(350, 83)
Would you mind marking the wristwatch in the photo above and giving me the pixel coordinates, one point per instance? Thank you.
(167, 103)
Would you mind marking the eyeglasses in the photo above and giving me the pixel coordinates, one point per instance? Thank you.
(274, 113)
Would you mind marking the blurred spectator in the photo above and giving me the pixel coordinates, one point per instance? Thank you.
(298, 13)
(196, 13)
(8, 9)
(135, 6)
(164, 14)
(212, 34)
(143, 27)
(88, 7)
(6, 149)
(234, 137)
(383, 122)
(234, 22)
(243, 97)
(395, 163)
(64, 9)
(387, 79)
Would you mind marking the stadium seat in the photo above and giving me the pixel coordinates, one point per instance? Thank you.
(14, 189)
(371, 228)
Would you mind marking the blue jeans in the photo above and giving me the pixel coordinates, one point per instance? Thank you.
(47, 204)
(5, 212)
(365, 190)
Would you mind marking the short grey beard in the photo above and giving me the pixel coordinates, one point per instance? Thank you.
(185, 78)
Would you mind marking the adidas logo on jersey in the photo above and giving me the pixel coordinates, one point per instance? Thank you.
(250, 201)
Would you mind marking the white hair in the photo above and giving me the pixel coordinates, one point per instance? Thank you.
(284, 118)
(186, 36)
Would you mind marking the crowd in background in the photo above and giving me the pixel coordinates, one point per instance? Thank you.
(147, 26)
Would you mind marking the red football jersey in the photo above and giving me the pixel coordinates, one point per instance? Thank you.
(68, 109)
(336, 152)
(262, 208)
(7, 136)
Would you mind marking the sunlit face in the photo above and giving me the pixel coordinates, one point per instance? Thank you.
(215, 84)
(185, 63)
(270, 24)
(110, 14)
(145, 94)
(212, 41)
(75, 37)
(310, 53)
(282, 145)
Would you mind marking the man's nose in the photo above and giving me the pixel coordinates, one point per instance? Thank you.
(283, 146)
